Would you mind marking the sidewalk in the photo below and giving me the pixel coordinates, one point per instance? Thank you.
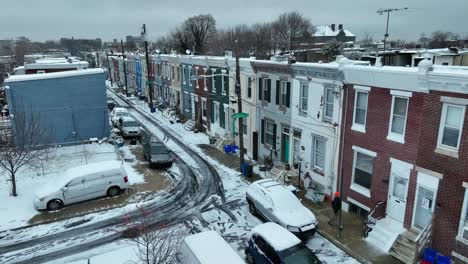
(351, 240)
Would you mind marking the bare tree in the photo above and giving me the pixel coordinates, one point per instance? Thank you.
(155, 244)
(23, 144)
(367, 40)
(291, 29)
(24, 46)
(199, 29)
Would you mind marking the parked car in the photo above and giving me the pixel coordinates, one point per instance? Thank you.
(154, 151)
(129, 127)
(82, 183)
(117, 113)
(272, 243)
(110, 104)
(207, 248)
(273, 202)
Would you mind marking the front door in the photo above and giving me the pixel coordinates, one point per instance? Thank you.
(285, 145)
(255, 145)
(424, 206)
(396, 206)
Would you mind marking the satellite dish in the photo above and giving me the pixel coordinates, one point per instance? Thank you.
(188, 52)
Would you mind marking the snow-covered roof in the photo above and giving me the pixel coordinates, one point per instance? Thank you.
(53, 75)
(210, 248)
(56, 63)
(326, 31)
(276, 236)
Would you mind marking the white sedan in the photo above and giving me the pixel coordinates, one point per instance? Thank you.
(273, 202)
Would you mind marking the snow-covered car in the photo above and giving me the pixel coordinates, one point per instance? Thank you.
(82, 183)
(275, 203)
(271, 243)
(129, 127)
(207, 248)
(117, 113)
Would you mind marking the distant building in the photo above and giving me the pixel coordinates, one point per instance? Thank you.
(329, 33)
(138, 41)
(48, 65)
(6, 67)
(71, 105)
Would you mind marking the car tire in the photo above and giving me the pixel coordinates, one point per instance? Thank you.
(113, 191)
(249, 258)
(252, 209)
(54, 205)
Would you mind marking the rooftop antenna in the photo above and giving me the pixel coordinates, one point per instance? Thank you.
(381, 11)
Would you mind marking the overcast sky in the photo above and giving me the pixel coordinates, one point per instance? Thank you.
(108, 19)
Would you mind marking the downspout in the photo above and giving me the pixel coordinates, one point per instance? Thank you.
(341, 171)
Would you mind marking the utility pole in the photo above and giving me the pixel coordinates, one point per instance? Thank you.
(388, 10)
(124, 67)
(108, 69)
(239, 108)
(148, 76)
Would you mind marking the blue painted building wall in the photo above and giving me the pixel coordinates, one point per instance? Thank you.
(71, 108)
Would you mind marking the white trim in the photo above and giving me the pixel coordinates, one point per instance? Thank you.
(465, 184)
(446, 152)
(400, 138)
(454, 100)
(351, 200)
(427, 181)
(429, 172)
(401, 164)
(459, 256)
(359, 189)
(362, 88)
(204, 102)
(441, 130)
(461, 225)
(365, 151)
(356, 126)
(401, 93)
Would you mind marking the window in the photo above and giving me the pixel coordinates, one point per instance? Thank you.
(360, 111)
(213, 80)
(190, 76)
(178, 74)
(363, 168)
(398, 116)
(244, 125)
(284, 93)
(249, 87)
(269, 133)
(205, 88)
(223, 73)
(304, 98)
(463, 229)
(204, 111)
(451, 125)
(173, 72)
(216, 112)
(328, 103)
(183, 74)
(318, 153)
(266, 89)
(269, 252)
(197, 81)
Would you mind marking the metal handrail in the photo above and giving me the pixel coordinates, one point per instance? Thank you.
(367, 228)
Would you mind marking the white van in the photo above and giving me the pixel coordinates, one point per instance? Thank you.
(117, 113)
(207, 248)
(129, 127)
(82, 183)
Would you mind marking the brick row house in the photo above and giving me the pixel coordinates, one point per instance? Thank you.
(405, 155)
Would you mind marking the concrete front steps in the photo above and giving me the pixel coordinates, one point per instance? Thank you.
(385, 233)
(404, 248)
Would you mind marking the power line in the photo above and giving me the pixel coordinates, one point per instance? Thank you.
(381, 11)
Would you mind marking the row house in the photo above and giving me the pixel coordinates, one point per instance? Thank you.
(175, 87)
(274, 112)
(405, 156)
(315, 122)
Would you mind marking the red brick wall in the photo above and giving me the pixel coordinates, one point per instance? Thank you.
(450, 194)
(375, 139)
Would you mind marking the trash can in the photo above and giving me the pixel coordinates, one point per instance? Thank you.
(234, 149)
(153, 109)
(430, 255)
(441, 259)
(227, 149)
(212, 140)
(248, 170)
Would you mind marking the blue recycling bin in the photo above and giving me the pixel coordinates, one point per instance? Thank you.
(153, 109)
(430, 255)
(234, 149)
(441, 259)
(227, 149)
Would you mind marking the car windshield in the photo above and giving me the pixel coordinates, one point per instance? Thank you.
(131, 124)
(159, 150)
(299, 254)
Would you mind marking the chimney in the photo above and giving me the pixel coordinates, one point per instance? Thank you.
(332, 27)
(340, 26)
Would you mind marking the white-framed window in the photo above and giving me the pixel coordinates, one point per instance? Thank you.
(360, 110)
(249, 87)
(205, 88)
(398, 117)
(363, 168)
(283, 93)
(173, 72)
(197, 81)
(463, 226)
(223, 76)
(318, 153)
(190, 75)
(183, 74)
(204, 109)
(213, 80)
(266, 86)
(304, 98)
(269, 132)
(328, 98)
(451, 126)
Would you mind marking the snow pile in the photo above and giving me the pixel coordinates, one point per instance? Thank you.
(278, 237)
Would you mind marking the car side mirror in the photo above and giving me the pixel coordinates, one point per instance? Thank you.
(64, 189)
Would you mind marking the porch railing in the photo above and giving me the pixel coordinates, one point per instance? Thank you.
(423, 239)
(370, 221)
